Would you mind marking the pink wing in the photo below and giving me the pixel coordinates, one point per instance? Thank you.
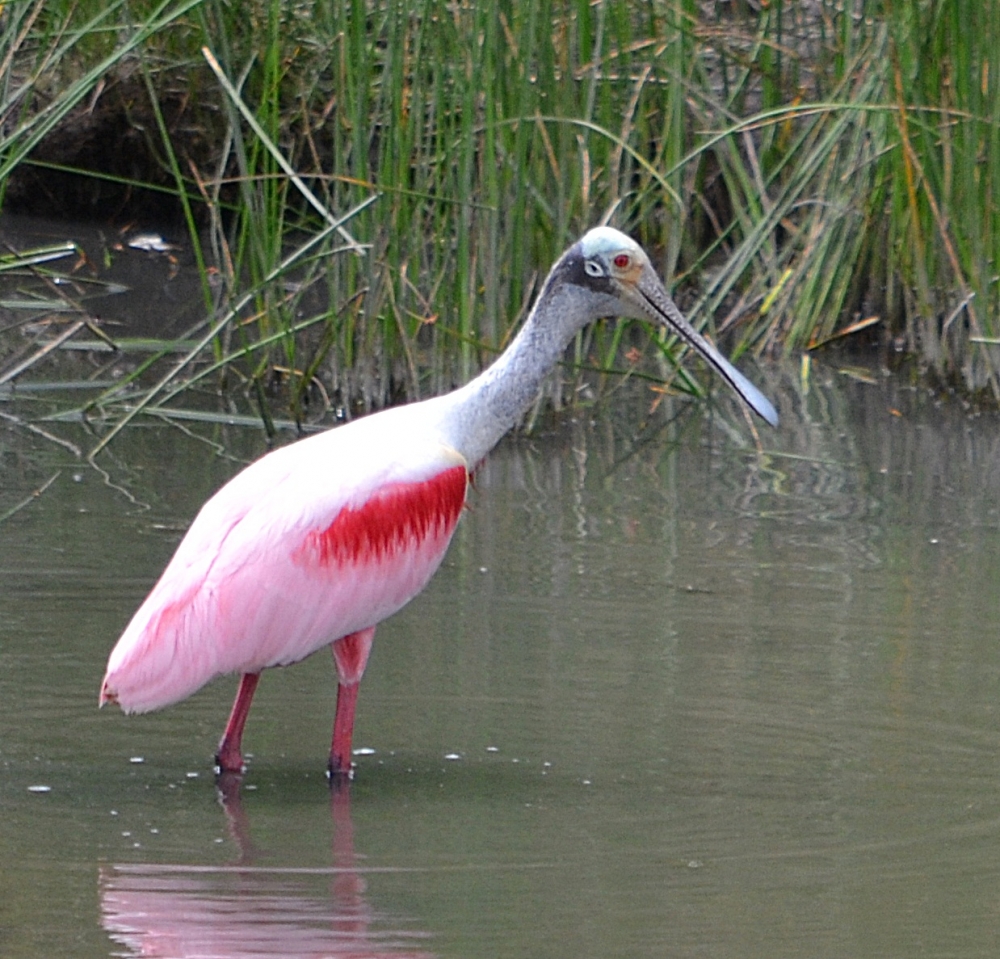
(285, 559)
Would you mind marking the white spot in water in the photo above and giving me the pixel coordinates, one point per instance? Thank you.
(126, 834)
(483, 569)
(695, 864)
(39, 789)
(586, 782)
(149, 243)
(363, 751)
(137, 759)
(154, 831)
(192, 775)
(493, 749)
(452, 756)
(251, 786)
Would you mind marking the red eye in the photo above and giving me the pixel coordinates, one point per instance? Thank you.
(622, 260)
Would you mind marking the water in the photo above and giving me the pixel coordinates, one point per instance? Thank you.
(667, 696)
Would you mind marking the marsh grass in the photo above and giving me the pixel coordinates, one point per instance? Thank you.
(388, 182)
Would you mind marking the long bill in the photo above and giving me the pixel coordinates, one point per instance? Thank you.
(653, 300)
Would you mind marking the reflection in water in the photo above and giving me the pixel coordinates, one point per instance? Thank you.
(175, 911)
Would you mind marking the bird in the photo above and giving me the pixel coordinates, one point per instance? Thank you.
(317, 542)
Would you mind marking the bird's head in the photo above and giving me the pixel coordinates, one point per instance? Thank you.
(619, 280)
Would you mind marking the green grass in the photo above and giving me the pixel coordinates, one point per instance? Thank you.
(379, 187)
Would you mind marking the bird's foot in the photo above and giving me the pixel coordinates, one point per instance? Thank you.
(229, 761)
(339, 773)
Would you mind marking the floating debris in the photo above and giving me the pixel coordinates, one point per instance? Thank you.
(150, 243)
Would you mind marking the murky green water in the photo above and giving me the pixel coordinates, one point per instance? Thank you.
(699, 702)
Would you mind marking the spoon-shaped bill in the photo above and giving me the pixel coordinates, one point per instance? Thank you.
(661, 308)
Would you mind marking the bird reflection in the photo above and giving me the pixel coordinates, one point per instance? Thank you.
(244, 910)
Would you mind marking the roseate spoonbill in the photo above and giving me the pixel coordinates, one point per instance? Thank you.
(316, 543)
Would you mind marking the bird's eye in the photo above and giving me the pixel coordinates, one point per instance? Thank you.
(592, 268)
(623, 261)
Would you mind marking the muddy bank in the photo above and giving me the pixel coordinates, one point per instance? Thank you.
(113, 140)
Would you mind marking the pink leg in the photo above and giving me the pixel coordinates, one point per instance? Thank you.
(350, 653)
(229, 759)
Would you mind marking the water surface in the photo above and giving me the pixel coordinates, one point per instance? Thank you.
(670, 694)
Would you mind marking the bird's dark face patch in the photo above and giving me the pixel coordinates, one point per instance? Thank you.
(588, 272)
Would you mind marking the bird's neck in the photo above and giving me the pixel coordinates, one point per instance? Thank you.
(486, 408)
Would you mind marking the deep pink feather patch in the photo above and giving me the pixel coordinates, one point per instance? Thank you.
(396, 516)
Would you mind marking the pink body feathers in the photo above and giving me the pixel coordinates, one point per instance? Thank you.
(263, 595)
(291, 555)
